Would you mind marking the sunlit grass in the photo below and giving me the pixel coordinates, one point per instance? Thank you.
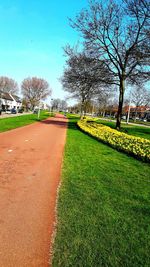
(18, 121)
(103, 208)
(139, 131)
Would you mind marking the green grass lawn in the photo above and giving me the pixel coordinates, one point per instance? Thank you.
(143, 132)
(103, 207)
(18, 121)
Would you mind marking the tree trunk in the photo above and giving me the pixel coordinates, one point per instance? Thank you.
(135, 114)
(82, 108)
(120, 106)
(104, 113)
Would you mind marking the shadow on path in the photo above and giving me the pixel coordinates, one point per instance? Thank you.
(71, 123)
(59, 123)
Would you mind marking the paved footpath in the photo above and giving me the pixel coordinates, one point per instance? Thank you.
(30, 166)
(124, 122)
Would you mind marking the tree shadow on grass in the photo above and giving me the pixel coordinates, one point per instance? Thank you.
(72, 124)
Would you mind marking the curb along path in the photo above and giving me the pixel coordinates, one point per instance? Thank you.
(30, 167)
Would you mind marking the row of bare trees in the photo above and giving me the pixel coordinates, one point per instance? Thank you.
(33, 89)
(106, 104)
(59, 104)
(115, 50)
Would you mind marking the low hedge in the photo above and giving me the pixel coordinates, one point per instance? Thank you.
(135, 146)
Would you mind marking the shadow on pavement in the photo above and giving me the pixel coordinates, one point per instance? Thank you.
(59, 123)
(71, 123)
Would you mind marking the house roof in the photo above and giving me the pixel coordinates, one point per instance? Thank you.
(6, 96)
(17, 98)
(126, 108)
(138, 109)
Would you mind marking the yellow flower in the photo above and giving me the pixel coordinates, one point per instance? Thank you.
(130, 144)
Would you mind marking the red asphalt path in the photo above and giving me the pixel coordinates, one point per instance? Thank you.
(30, 166)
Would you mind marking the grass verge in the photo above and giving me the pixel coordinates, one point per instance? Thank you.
(132, 145)
(103, 209)
(138, 131)
(18, 121)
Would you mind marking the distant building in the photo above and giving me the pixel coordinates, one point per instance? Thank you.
(42, 105)
(17, 101)
(9, 101)
(140, 112)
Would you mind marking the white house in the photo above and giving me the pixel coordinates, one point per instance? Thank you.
(8, 101)
(42, 105)
(17, 103)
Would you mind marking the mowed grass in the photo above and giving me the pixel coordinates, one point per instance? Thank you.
(18, 121)
(139, 131)
(103, 207)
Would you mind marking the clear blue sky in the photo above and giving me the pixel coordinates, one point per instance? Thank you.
(32, 34)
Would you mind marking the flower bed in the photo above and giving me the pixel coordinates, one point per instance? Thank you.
(136, 146)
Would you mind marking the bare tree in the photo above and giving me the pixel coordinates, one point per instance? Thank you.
(55, 103)
(59, 104)
(83, 76)
(35, 89)
(25, 104)
(63, 105)
(119, 35)
(8, 85)
(140, 97)
(105, 100)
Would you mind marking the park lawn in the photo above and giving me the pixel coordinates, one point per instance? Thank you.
(18, 121)
(103, 207)
(138, 131)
